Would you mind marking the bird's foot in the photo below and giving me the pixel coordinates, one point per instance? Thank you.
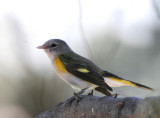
(78, 95)
(71, 100)
(115, 95)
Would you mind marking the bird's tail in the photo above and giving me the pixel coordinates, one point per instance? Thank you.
(115, 81)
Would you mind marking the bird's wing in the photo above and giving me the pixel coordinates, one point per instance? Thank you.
(83, 69)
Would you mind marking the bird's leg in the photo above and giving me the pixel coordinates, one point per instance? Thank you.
(115, 95)
(77, 95)
(90, 93)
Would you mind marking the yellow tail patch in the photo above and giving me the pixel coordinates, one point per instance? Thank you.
(117, 82)
(125, 82)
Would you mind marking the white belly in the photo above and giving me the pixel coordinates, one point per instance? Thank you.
(75, 82)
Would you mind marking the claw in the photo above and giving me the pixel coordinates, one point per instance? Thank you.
(78, 95)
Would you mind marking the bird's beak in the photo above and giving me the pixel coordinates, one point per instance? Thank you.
(42, 47)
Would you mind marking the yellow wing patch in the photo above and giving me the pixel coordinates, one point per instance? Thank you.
(83, 70)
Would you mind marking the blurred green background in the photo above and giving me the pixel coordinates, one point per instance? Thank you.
(123, 37)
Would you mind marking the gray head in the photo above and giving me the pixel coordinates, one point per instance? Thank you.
(54, 47)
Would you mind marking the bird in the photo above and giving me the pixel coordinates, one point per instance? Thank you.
(81, 73)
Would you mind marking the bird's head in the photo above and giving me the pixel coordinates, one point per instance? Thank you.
(54, 47)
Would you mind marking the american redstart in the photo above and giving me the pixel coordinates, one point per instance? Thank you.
(79, 72)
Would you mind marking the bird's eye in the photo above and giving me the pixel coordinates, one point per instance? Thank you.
(53, 45)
